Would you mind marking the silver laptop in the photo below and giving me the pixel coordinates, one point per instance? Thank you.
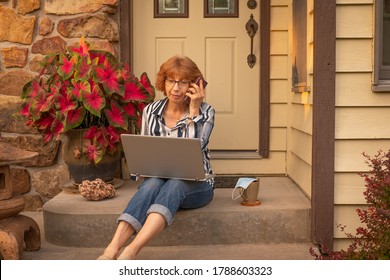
(164, 157)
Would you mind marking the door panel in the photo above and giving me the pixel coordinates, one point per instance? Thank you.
(220, 47)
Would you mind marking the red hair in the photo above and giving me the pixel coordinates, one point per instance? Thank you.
(177, 66)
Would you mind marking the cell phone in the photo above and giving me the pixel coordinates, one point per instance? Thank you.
(198, 82)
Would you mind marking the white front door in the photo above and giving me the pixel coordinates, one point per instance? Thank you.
(219, 46)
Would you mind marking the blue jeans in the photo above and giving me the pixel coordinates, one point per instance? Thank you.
(165, 196)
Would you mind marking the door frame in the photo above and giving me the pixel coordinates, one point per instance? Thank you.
(126, 53)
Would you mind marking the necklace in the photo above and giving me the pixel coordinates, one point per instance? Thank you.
(173, 118)
(180, 116)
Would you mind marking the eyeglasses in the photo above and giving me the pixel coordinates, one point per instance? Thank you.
(181, 84)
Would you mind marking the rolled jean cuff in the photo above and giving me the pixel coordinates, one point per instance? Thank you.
(130, 220)
(162, 210)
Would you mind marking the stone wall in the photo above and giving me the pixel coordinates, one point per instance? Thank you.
(30, 29)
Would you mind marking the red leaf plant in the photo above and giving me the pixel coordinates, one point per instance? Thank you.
(371, 240)
(86, 89)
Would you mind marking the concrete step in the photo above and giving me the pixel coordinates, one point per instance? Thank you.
(282, 217)
(260, 251)
(280, 251)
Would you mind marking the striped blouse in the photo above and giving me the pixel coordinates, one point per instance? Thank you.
(153, 124)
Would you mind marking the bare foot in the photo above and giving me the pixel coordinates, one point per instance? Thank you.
(128, 254)
(105, 258)
(109, 254)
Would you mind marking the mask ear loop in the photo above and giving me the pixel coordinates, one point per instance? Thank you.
(241, 189)
(241, 193)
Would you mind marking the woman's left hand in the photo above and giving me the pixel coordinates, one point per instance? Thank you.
(196, 94)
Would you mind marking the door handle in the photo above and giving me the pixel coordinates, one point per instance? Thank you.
(251, 28)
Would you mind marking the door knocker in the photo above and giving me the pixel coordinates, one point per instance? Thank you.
(252, 4)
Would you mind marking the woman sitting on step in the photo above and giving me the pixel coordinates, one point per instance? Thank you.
(182, 113)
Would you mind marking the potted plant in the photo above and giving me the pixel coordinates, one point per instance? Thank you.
(87, 93)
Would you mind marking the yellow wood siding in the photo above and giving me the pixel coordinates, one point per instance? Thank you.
(275, 164)
(280, 2)
(278, 67)
(301, 175)
(341, 2)
(279, 17)
(354, 89)
(362, 116)
(299, 163)
(278, 139)
(301, 145)
(354, 21)
(279, 90)
(278, 81)
(361, 123)
(278, 42)
(354, 55)
(300, 119)
(278, 115)
(347, 183)
(279, 87)
(348, 154)
(346, 216)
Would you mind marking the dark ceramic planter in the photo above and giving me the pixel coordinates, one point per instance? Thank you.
(80, 168)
